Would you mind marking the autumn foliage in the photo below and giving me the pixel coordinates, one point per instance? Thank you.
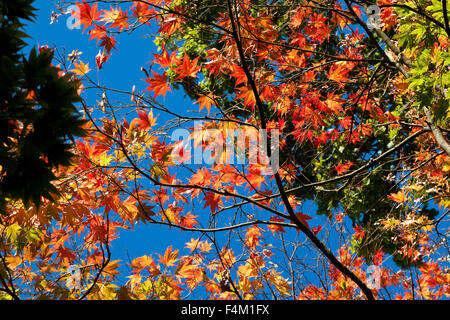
(357, 208)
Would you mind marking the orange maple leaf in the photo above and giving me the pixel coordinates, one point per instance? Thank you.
(158, 84)
(255, 178)
(98, 32)
(247, 94)
(188, 220)
(145, 121)
(186, 270)
(169, 258)
(338, 73)
(399, 197)
(117, 17)
(201, 177)
(143, 12)
(188, 68)
(252, 236)
(206, 102)
(165, 60)
(81, 68)
(193, 244)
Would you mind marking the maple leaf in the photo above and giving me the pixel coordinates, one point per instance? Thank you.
(186, 270)
(187, 68)
(98, 32)
(142, 262)
(158, 84)
(247, 94)
(180, 154)
(399, 197)
(101, 58)
(169, 258)
(201, 177)
(338, 73)
(111, 268)
(238, 74)
(255, 178)
(188, 220)
(205, 246)
(116, 17)
(143, 12)
(313, 116)
(206, 102)
(214, 65)
(121, 20)
(87, 14)
(13, 262)
(170, 24)
(378, 257)
(145, 120)
(359, 232)
(193, 244)
(165, 60)
(108, 42)
(276, 228)
(342, 168)
(145, 262)
(316, 230)
(212, 200)
(109, 16)
(80, 68)
(334, 103)
(297, 19)
(252, 236)
(74, 55)
(303, 218)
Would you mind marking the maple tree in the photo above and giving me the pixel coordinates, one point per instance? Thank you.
(361, 116)
(38, 113)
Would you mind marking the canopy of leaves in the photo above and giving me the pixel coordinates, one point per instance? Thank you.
(362, 179)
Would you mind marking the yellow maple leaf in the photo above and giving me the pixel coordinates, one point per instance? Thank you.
(81, 68)
(13, 262)
(399, 197)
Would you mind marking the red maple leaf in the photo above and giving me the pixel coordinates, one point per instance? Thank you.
(338, 73)
(165, 60)
(188, 68)
(342, 168)
(98, 32)
(359, 232)
(87, 14)
(101, 58)
(158, 84)
(303, 218)
(108, 42)
(206, 102)
(213, 200)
